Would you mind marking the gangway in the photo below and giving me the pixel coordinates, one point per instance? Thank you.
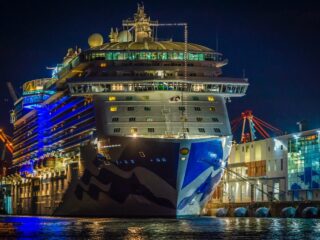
(246, 179)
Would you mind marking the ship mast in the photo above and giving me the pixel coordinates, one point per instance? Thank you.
(141, 25)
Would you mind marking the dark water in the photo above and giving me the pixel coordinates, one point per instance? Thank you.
(138, 229)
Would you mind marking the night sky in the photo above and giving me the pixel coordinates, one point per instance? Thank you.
(276, 42)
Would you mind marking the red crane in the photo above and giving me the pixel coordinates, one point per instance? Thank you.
(255, 125)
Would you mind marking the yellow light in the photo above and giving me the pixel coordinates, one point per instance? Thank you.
(212, 109)
(103, 65)
(113, 109)
(134, 130)
(184, 151)
(112, 98)
(211, 99)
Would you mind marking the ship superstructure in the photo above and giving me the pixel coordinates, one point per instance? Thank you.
(132, 127)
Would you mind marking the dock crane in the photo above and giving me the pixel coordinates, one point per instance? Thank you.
(7, 144)
(255, 125)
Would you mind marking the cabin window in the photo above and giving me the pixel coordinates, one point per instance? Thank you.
(217, 130)
(151, 130)
(113, 109)
(211, 99)
(134, 130)
(116, 130)
(202, 130)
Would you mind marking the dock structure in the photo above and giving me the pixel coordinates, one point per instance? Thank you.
(277, 172)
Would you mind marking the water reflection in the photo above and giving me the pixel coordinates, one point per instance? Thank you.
(143, 229)
(135, 233)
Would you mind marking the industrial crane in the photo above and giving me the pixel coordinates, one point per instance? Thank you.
(7, 143)
(255, 125)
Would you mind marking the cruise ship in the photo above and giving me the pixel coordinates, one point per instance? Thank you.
(131, 127)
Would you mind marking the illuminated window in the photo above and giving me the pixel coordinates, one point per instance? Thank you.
(130, 108)
(212, 109)
(198, 87)
(103, 65)
(112, 98)
(116, 130)
(117, 87)
(149, 119)
(145, 97)
(134, 130)
(113, 109)
(211, 99)
(151, 130)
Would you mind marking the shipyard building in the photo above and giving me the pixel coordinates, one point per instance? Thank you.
(279, 169)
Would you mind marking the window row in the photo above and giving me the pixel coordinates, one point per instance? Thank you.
(181, 108)
(152, 130)
(174, 98)
(149, 119)
(78, 88)
(143, 55)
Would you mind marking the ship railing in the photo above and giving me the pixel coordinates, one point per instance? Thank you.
(87, 88)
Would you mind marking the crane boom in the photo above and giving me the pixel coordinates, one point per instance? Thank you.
(4, 138)
(12, 92)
